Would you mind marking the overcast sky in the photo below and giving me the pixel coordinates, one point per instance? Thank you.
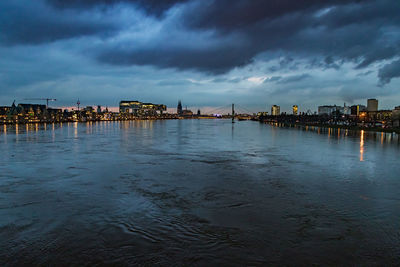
(205, 52)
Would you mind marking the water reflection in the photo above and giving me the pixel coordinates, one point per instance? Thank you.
(197, 192)
(338, 133)
(75, 126)
(346, 135)
(53, 133)
(5, 133)
(147, 127)
(362, 146)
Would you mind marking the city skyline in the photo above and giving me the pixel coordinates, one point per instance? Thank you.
(291, 53)
(199, 132)
(226, 109)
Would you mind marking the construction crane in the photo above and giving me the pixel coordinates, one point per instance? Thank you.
(47, 100)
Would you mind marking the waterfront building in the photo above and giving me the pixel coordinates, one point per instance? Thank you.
(372, 105)
(396, 116)
(131, 107)
(179, 108)
(346, 110)
(88, 109)
(396, 112)
(384, 115)
(150, 109)
(376, 116)
(138, 108)
(330, 110)
(4, 113)
(275, 110)
(87, 113)
(187, 112)
(295, 110)
(356, 109)
(98, 109)
(325, 110)
(54, 114)
(262, 114)
(31, 109)
(5, 109)
(29, 113)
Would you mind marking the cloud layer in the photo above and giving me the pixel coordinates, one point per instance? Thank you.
(223, 42)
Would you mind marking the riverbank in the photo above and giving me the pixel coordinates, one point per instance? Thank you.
(346, 127)
(113, 120)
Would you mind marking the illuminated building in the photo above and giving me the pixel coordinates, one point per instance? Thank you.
(88, 109)
(31, 109)
(54, 114)
(152, 109)
(372, 105)
(140, 109)
(4, 111)
(384, 115)
(129, 107)
(295, 110)
(363, 115)
(356, 109)
(275, 110)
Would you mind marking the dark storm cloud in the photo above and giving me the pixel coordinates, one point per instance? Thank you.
(214, 36)
(334, 32)
(43, 21)
(232, 15)
(293, 78)
(388, 72)
(156, 7)
(34, 23)
(325, 63)
(377, 54)
(213, 61)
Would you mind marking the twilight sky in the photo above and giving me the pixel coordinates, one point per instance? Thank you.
(208, 53)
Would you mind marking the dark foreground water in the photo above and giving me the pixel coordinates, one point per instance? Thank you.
(197, 192)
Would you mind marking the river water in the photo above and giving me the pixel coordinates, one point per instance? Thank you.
(197, 192)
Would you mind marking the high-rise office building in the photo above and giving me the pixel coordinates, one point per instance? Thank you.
(372, 105)
(295, 110)
(275, 110)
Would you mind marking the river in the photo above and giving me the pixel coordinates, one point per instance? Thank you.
(197, 192)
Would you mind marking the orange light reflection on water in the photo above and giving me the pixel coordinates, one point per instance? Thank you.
(362, 146)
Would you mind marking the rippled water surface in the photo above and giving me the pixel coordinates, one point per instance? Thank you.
(197, 192)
